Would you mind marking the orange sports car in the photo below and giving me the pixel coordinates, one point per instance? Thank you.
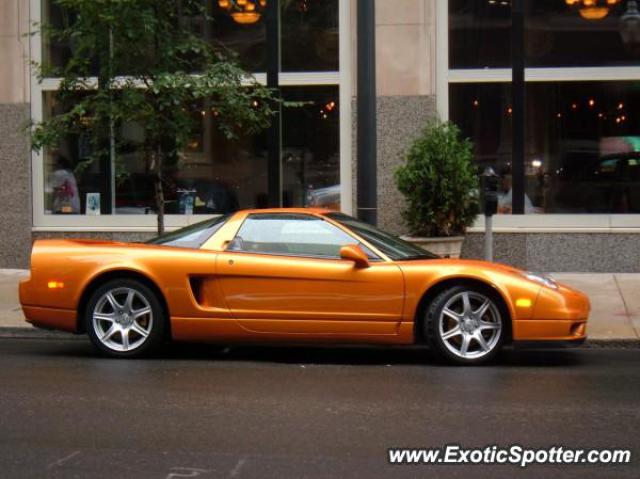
(291, 275)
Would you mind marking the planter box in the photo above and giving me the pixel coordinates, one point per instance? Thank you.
(445, 247)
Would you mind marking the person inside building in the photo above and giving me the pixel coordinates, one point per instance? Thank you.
(505, 195)
(64, 188)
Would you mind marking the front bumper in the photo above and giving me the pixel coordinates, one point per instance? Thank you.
(559, 315)
(550, 330)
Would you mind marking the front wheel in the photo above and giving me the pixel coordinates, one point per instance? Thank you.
(124, 318)
(465, 325)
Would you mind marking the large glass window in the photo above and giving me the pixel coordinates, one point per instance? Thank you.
(561, 33)
(583, 147)
(310, 147)
(214, 175)
(245, 42)
(483, 113)
(55, 52)
(309, 35)
(74, 176)
(479, 33)
(581, 129)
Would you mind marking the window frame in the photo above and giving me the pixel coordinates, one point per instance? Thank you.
(147, 223)
(530, 223)
(375, 259)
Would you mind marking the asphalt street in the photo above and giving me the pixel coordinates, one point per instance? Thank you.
(276, 412)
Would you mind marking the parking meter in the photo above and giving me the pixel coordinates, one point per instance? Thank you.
(489, 191)
(489, 199)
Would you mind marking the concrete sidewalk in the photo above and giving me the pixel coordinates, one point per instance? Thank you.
(10, 311)
(615, 302)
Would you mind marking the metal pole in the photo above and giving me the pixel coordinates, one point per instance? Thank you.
(489, 197)
(274, 132)
(367, 135)
(518, 105)
(488, 238)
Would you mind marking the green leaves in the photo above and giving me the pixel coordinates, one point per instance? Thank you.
(153, 69)
(439, 182)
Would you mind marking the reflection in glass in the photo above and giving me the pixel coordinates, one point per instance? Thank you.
(583, 147)
(223, 174)
(558, 35)
(309, 35)
(246, 42)
(71, 176)
(134, 184)
(290, 235)
(213, 175)
(55, 52)
(479, 34)
(483, 113)
(310, 147)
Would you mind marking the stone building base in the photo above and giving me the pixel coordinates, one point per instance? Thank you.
(15, 186)
(561, 252)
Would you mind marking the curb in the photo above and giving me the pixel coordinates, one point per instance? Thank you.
(36, 333)
(631, 343)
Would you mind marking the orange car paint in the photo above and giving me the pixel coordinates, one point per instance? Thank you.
(215, 295)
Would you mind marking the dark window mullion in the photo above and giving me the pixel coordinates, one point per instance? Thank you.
(274, 133)
(518, 105)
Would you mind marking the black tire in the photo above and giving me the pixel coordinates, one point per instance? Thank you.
(492, 325)
(152, 323)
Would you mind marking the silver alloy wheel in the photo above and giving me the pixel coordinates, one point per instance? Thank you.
(470, 325)
(122, 319)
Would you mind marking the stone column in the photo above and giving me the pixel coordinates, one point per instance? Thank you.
(15, 159)
(406, 88)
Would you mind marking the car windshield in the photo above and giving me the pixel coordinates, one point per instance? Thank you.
(392, 246)
(192, 236)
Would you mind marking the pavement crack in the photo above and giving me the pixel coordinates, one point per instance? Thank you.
(60, 462)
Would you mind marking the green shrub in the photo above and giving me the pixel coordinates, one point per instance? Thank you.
(439, 182)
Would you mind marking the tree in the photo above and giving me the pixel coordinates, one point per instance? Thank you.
(142, 62)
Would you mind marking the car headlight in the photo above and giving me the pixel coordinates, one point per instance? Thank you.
(542, 279)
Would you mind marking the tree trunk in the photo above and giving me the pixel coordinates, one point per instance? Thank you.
(159, 192)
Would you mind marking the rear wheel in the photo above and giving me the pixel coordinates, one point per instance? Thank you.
(466, 325)
(124, 318)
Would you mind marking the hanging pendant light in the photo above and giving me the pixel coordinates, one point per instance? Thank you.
(246, 18)
(593, 9)
(244, 12)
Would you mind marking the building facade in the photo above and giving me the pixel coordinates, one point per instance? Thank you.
(576, 206)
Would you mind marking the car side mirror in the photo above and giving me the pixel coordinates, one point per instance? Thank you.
(353, 252)
(236, 244)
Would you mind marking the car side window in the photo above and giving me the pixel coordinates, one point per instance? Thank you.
(292, 235)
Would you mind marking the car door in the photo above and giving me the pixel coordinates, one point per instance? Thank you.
(282, 274)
